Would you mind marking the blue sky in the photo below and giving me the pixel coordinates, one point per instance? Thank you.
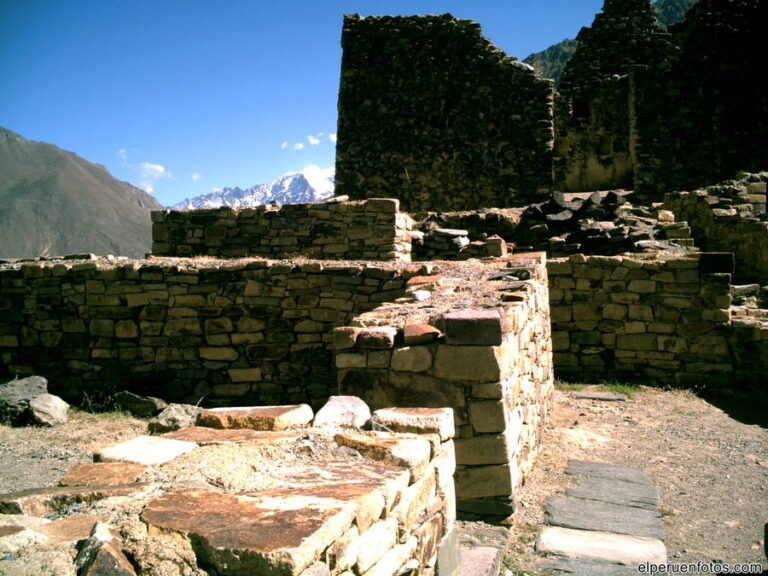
(181, 97)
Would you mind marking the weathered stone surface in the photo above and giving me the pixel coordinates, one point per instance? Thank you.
(396, 560)
(482, 450)
(293, 530)
(409, 451)
(14, 538)
(487, 416)
(149, 450)
(257, 417)
(71, 528)
(474, 327)
(102, 474)
(141, 406)
(604, 396)
(44, 501)
(347, 411)
(101, 555)
(608, 471)
(483, 481)
(416, 500)
(411, 359)
(16, 395)
(201, 435)
(377, 338)
(174, 417)
(603, 517)
(448, 559)
(418, 420)
(375, 542)
(615, 492)
(611, 547)
(468, 363)
(345, 337)
(480, 560)
(48, 410)
(414, 334)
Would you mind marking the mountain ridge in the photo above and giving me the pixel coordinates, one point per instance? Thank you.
(312, 185)
(54, 202)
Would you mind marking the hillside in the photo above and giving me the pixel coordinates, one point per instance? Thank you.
(550, 62)
(53, 202)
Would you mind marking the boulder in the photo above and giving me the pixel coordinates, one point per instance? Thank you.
(174, 417)
(16, 395)
(141, 406)
(347, 411)
(48, 410)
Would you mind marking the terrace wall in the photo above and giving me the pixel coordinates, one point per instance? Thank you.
(367, 230)
(239, 332)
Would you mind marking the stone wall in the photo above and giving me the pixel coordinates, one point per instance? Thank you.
(663, 320)
(491, 365)
(432, 113)
(238, 331)
(729, 217)
(367, 230)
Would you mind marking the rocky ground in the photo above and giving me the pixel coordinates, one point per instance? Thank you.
(712, 470)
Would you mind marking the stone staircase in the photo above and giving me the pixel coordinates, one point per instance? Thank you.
(607, 523)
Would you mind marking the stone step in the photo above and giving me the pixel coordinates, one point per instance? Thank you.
(619, 492)
(147, 450)
(603, 470)
(582, 514)
(605, 546)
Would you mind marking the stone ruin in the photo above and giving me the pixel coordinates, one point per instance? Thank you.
(288, 306)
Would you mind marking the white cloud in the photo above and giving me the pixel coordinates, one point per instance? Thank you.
(332, 137)
(150, 173)
(284, 145)
(298, 146)
(314, 140)
(122, 153)
(196, 177)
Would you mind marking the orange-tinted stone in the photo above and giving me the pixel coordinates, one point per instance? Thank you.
(257, 417)
(44, 501)
(102, 473)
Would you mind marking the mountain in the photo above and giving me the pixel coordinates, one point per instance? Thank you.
(312, 185)
(53, 203)
(549, 63)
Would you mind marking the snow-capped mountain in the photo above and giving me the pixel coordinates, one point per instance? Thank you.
(312, 185)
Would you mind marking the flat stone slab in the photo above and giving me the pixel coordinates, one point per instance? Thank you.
(583, 514)
(44, 501)
(257, 417)
(102, 473)
(204, 436)
(406, 450)
(418, 420)
(609, 471)
(604, 396)
(605, 546)
(585, 567)
(71, 528)
(615, 492)
(148, 450)
(262, 533)
(480, 561)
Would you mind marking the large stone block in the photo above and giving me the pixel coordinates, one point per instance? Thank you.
(474, 327)
(483, 481)
(468, 363)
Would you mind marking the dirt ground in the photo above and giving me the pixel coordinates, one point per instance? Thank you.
(712, 470)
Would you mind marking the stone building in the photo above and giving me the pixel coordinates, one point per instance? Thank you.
(434, 114)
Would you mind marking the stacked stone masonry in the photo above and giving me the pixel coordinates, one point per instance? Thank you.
(492, 366)
(222, 331)
(730, 217)
(382, 505)
(364, 230)
(432, 113)
(663, 320)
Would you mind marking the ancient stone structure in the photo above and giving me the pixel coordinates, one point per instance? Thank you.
(659, 112)
(665, 320)
(729, 217)
(374, 503)
(492, 366)
(370, 230)
(432, 113)
(225, 331)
